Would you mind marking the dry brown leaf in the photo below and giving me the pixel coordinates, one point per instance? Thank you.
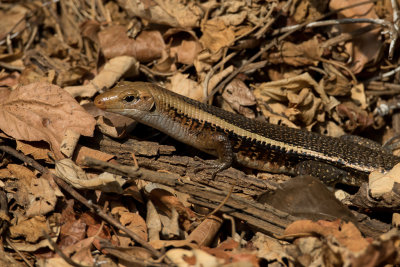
(170, 224)
(358, 95)
(216, 35)
(72, 231)
(306, 53)
(153, 222)
(174, 13)
(112, 71)
(42, 111)
(166, 201)
(181, 84)
(383, 183)
(82, 251)
(38, 150)
(147, 46)
(69, 142)
(364, 48)
(67, 170)
(42, 198)
(12, 20)
(345, 233)
(9, 79)
(135, 223)
(269, 248)
(31, 229)
(25, 177)
(302, 104)
(128, 256)
(354, 116)
(184, 45)
(184, 257)
(239, 96)
(335, 83)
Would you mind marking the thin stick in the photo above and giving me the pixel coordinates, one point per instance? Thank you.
(94, 208)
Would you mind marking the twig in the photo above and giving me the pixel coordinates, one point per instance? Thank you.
(18, 252)
(212, 70)
(223, 202)
(94, 208)
(61, 253)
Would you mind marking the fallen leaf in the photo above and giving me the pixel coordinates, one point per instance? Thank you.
(30, 229)
(216, 35)
(363, 48)
(38, 150)
(306, 53)
(42, 111)
(147, 46)
(345, 233)
(174, 13)
(42, 198)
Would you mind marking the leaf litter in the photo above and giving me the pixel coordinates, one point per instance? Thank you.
(134, 199)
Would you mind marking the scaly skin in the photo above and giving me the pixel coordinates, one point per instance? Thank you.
(232, 137)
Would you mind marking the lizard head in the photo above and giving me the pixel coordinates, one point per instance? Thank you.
(132, 99)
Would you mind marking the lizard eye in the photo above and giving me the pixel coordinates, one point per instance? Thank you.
(129, 98)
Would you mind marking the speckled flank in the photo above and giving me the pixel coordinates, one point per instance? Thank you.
(293, 143)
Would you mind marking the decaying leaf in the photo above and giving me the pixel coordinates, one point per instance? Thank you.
(74, 175)
(42, 198)
(345, 233)
(30, 229)
(302, 104)
(239, 97)
(306, 53)
(147, 46)
(112, 71)
(216, 35)
(363, 48)
(172, 12)
(42, 111)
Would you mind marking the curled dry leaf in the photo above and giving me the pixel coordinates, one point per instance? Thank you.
(147, 46)
(363, 48)
(184, 257)
(216, 35)
(305, 53)
(303, 105)
(174, 13)
(335, 83)
(345, 233)
(184, 45)
(42, 198)
(181, 84)
(239, 96)
(153, 222)
(38, 150)
(74, 175)
(135, 223)
(355, 116)
(42, 111)
(30, 229)
(113, 70)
